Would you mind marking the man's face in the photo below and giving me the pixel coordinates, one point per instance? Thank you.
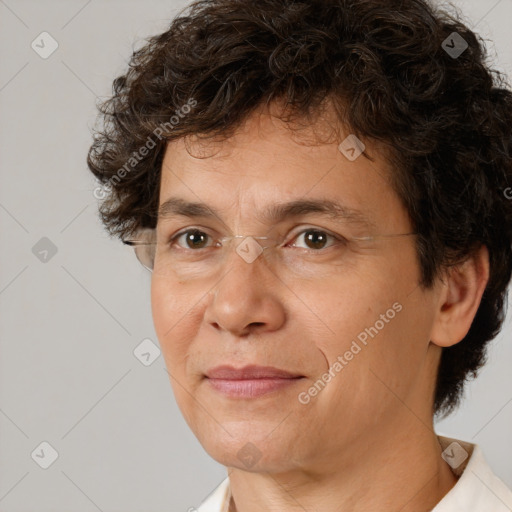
(360, 306)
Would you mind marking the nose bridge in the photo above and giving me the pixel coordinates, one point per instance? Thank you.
(243, 295)
(242, 256)
(249, 248)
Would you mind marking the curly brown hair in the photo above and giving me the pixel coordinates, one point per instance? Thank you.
(386, 68)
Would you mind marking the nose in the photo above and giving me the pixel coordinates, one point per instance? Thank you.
(246, 299)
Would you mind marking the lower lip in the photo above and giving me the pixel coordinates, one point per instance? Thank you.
(250, 388)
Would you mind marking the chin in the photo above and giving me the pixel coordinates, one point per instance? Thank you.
(250, 447)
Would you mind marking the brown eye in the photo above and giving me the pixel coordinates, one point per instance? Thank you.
(315, 239)
(194, 239)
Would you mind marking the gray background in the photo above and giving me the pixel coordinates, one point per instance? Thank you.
(68, 326)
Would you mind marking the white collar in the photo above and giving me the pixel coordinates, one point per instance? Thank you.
(478, 488)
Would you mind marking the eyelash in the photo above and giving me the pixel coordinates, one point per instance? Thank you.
(337, 238)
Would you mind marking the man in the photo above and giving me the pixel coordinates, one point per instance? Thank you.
(318, 189)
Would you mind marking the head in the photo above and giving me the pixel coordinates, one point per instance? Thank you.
(244, 106)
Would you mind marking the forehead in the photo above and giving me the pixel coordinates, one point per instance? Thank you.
(265, 163)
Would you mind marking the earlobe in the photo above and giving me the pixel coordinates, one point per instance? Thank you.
(460, 296)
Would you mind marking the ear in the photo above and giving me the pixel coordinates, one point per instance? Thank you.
(459, 298)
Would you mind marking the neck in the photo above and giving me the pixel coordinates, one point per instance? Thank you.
(402, 472)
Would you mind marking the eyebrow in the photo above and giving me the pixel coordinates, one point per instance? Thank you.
(273, 214)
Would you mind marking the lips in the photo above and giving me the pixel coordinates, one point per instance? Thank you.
(249, 372)
(250, 381)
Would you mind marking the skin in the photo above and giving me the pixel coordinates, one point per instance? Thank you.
(365, 442)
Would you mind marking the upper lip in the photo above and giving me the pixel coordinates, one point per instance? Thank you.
(249, 372)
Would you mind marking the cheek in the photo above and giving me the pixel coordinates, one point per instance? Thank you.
(373, 323)
(347, 311)
(174, 330)
(162, 308)
(169, 310)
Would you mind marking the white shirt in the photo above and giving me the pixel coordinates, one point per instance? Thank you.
(478, 489)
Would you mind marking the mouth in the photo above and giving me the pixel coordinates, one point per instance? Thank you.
(250, 381)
